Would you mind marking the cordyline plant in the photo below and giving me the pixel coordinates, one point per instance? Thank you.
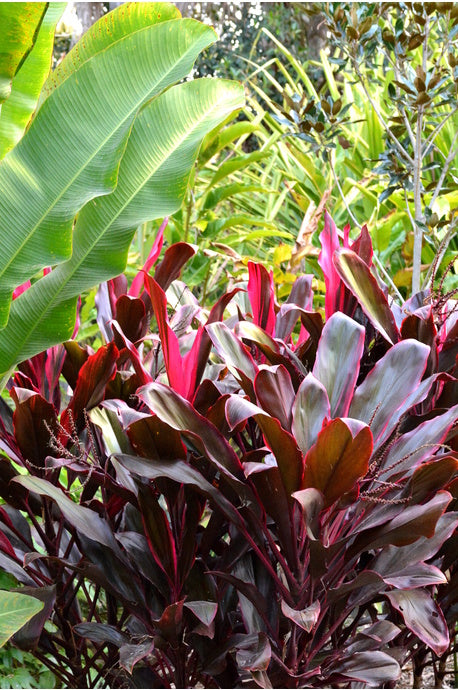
(261, 499)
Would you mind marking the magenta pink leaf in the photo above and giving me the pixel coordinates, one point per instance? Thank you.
(329, 244)
(137, 283)
(261, 295)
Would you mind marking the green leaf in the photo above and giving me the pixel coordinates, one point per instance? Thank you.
(108, 30)
(152, 181)
(71, 152)
(20, 22)
(15, 611)
(17, 111)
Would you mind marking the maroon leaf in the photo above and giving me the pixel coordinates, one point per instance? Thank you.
(28, 636)
(234, 355)
(180, 378)
(93, 377)
(281, 442)
(261, 294)
(158, 532)
(205, 611)
(130, 314)
(85, 520)
(337, 361)
(415, 446)
(374, 668)
(310, 409)
(416, 575)
(169, 268)
(170, 623)
(254, 652)
(152, 438)
(182, 473)
(422, 616)
(131, 654)
(306, 618)
(100, 633)
(180, 415)
(34, 419)
(301, 295)
(268, 484)
(275, 393)
(357, 277)
(409, 525)
(432, 476)
(337, 460)
(387, 386)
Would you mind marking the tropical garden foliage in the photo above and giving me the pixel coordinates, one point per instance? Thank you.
(228, 428)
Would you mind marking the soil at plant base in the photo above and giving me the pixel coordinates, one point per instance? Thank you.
(406, 679)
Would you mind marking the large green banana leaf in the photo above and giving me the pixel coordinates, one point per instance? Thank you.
(29, 79)
(19, 23)
(71, 152)
(111, 28)
(152, 181)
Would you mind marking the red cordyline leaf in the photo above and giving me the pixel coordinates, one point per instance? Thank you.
(329, 244)
(137, 283)
(261, 295)
(181, 371)
(93, 377)
(338, 459)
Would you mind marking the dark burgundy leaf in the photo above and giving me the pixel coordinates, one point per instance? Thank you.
(100, 633)
(387, 386)
(84, 519)
(131, 316)
(268, 484)
(337, 361)
(357, 277)
(311, 407)
(374, 668)
(301, 296)
(89, 391)
(153, 438)
(28, 636)
(254, 652)
(34, 420)
(422, 616)
(275, 393)
(182, 473)
(306, 618)
(337, 460)
(158, 532)
(131, 654)
(169, 268)
(281, 442)
(180, 415)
